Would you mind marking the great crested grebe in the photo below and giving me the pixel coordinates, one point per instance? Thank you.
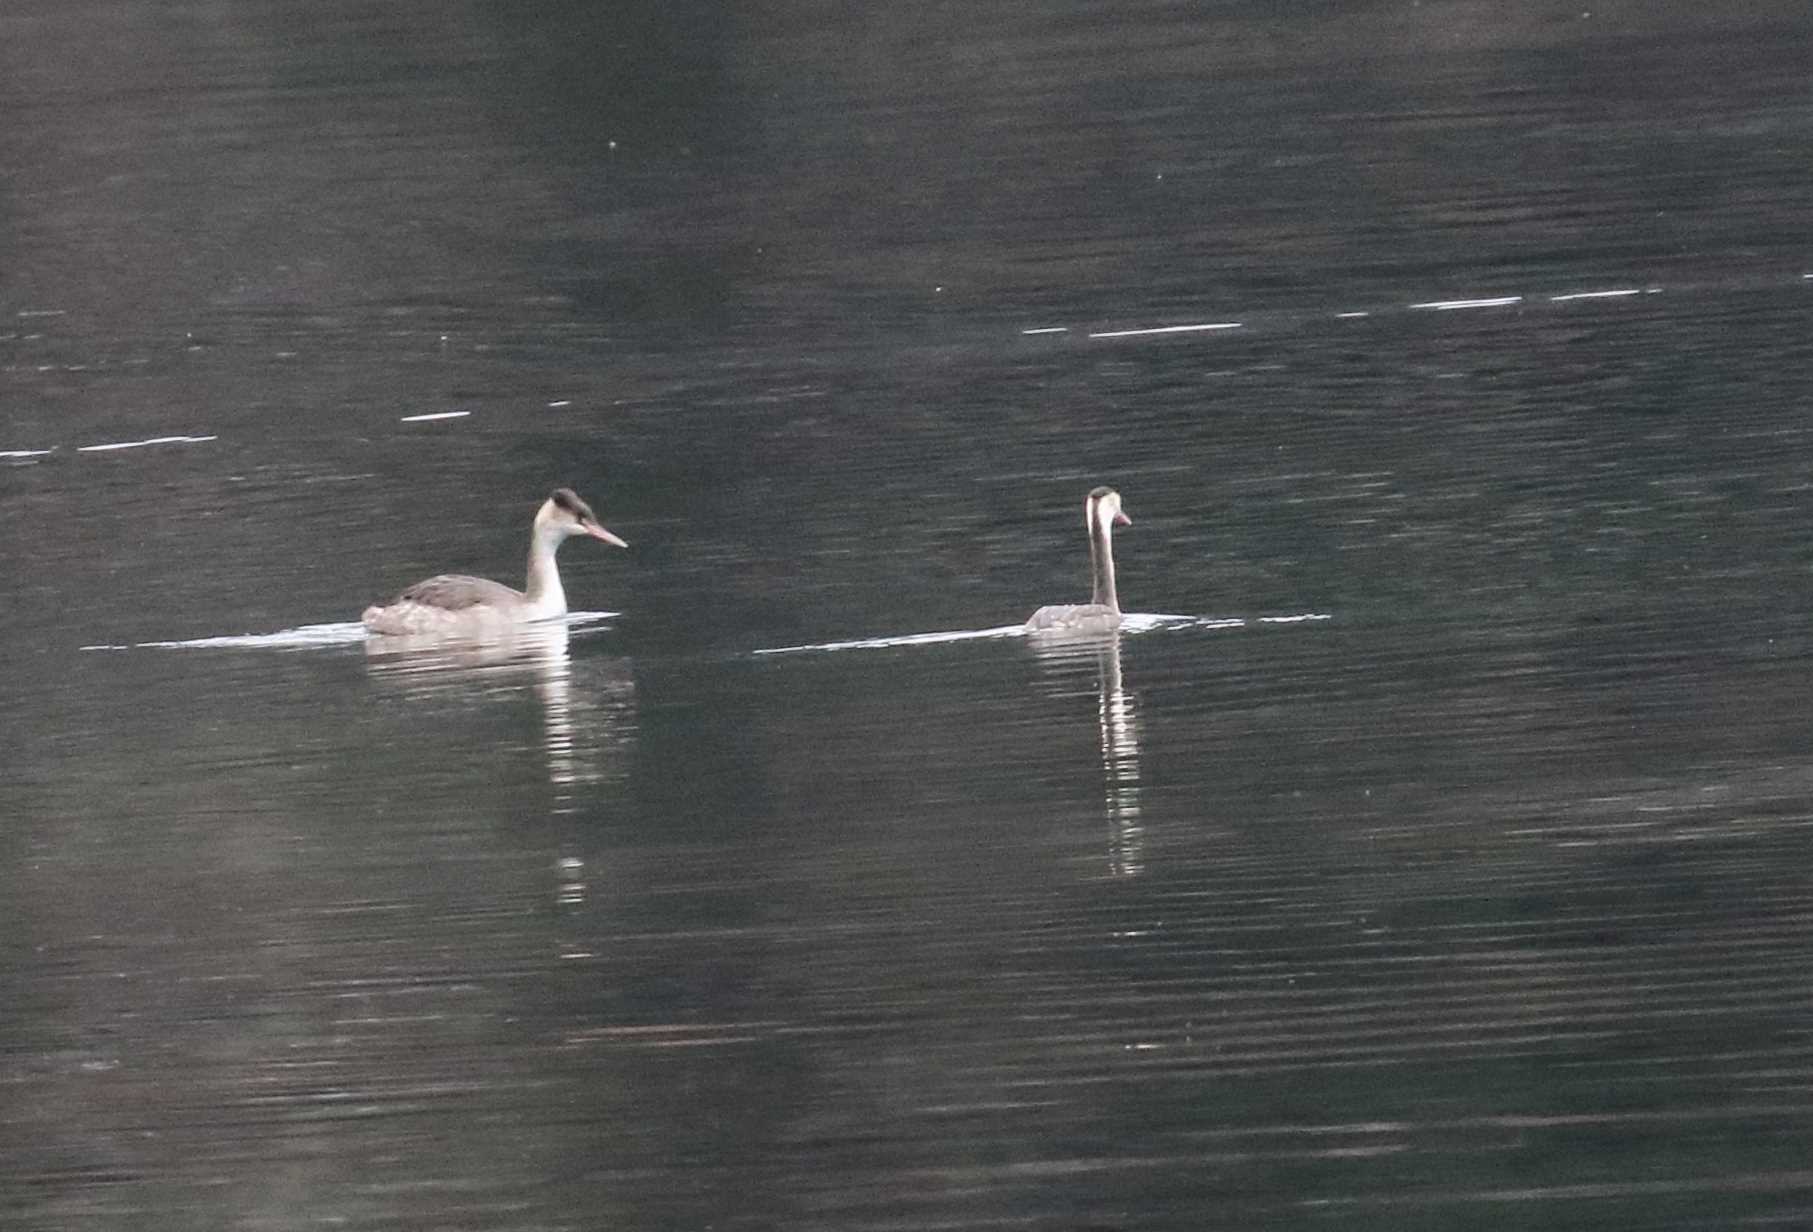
(456, 604)
(1102, 614)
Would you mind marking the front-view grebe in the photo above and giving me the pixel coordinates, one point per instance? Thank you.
(1102, 614)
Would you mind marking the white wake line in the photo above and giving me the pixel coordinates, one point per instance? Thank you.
(907, 639)
(340, 633)
(1131, 622)
(305, 637)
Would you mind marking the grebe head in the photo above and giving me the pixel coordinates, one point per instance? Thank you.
(563, 515)
(1103, 508)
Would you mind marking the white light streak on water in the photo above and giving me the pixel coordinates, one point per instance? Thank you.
(1450, 305)
(1618, 294)
(155, 440)
(1166, 329)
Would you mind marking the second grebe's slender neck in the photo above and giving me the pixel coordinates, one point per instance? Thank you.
(1101, 554)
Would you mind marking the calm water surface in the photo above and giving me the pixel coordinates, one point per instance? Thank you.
(1445, 861)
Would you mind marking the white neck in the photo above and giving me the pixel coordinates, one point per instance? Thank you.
(545, 595)
(1101, 556)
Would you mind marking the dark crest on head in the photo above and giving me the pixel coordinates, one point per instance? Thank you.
(568, 500)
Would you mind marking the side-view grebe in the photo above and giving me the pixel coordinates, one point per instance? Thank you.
(1102, 614)
(453, 603)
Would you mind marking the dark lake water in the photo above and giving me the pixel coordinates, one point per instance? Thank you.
(1433, 850)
